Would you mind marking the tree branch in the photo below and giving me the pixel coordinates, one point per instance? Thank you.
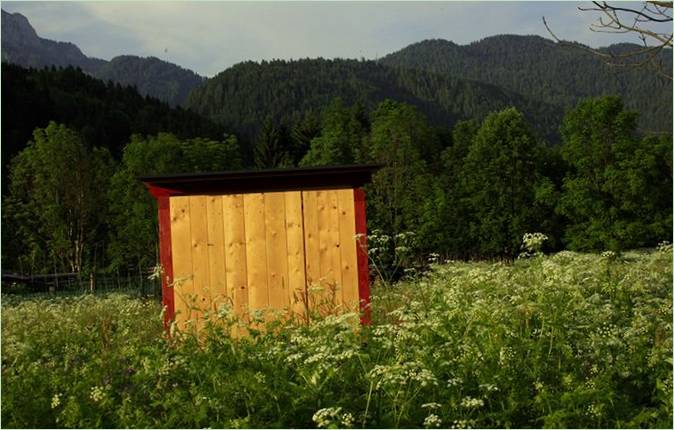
(604, 7)
(610, 22)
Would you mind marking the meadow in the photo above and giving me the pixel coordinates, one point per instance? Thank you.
(566, 340)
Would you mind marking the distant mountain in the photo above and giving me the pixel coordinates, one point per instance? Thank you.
(540, 69)
(243, 96)
(151, 76)
(21, 45)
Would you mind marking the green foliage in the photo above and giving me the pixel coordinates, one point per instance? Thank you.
(302, 133)
(133, 212)
(619, 190)
(398, 133)
(499, 180)
(55, 201)
(567, 341)
(73, 356)
(272, 147)
(341, 137)
(454, 213)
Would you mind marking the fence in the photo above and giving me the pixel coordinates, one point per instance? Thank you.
(57, 283)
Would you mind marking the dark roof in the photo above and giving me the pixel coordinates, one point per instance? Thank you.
(241, 181)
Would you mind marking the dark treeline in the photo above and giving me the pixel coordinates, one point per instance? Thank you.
(104, 114)
(245, 95)
(471, 191)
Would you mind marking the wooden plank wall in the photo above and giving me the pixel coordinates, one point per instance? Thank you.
(257, 251)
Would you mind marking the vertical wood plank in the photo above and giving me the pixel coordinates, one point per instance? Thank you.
(235, 253)
(347, 249)
(216, 252)
(181, 250)
(328, 237)
(277, 251)
(334, 254)
(324, 262)
(256, 251)
(297, 284)
(328, 233)
(311, 243)
(203, 293)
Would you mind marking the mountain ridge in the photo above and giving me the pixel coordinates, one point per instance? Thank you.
(445, 80)
(537, 67)
(150, 75)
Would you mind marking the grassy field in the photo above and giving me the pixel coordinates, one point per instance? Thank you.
(570, 340)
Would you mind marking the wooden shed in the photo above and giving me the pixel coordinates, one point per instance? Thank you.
(285, 239)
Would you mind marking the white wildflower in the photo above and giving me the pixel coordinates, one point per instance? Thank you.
(471, 402)
(432, 421)
(97, 394)
(56, 400)
(326, 416)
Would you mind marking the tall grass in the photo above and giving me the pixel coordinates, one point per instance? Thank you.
(570, 340)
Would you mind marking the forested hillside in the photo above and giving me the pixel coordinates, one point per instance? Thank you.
(243, 96)
(542, 70)
(152, 76)
(105, 114)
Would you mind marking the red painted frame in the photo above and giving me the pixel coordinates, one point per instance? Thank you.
(361, 250)
(163, 195)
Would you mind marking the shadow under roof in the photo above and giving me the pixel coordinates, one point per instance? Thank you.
(242, 181)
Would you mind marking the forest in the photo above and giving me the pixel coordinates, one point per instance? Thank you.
(469, 190)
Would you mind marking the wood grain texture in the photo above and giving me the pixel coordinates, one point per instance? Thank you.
(216, 252)
(347, 249)
(277, 251)
(334, 275)
(256, 251)
(311, 243)
(261, 251)
(203, 292)
(235, 255)
(295, 240)
(181, 250)
(235, 250)
(328, 238)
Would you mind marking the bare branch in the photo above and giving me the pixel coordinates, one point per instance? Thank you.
(663, 4)
(605, 7)
(610, 21)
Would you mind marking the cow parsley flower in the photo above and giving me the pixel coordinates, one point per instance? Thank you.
(432, 421)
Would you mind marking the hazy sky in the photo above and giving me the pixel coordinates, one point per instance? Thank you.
(208, 37)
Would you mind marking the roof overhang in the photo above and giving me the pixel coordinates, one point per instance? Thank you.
(251, 181)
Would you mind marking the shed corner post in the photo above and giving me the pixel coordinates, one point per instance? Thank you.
(361, 249)
(165, 258)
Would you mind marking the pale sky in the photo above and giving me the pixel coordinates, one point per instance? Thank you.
(209, 36)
